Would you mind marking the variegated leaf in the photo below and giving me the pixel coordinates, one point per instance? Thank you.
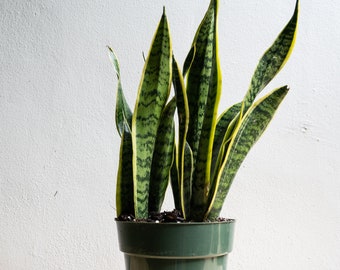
(123, 111)
(124, 189)
(223, 123)
(203, 92)
(183, 122)
(273, 59)
(174, 181)
(152, 96)
(248, 131)
(162, 158)
(186, 184)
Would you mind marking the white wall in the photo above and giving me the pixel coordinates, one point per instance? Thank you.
(59, 147)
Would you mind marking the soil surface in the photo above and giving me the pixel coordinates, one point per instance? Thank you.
(174, 216)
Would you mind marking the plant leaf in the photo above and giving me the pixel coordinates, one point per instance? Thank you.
(203, 92)
(174, 181)
(186, 185)
(273, 59)
(223, 123)
(123, 111)
(162, 158)
(248, 131)
(189, 59)
(124, 189)
(183, 122)
(182, 106)
(152, 96)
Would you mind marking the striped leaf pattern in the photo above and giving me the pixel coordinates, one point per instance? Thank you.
(189, 59)
(186, 182)
(123, 112)
(151, 99)
(124, 188)
(209, 152)
(184, 156)
(273, 59)
(162, 158)
(182, 110)
(221, 128)
(246, 134)
(203, 92)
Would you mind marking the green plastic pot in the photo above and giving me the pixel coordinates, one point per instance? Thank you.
(180, 246)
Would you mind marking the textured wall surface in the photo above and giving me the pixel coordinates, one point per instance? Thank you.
(59, 147)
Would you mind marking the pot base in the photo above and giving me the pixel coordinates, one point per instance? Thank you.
(142, 263)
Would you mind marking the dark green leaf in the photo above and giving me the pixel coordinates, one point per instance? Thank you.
(203, 92)
(175, 183)
(124, 189)
(186, 184)
(123, 112)
(273, 59)
(152, 96)
(162, 158)
(248, 131)
(223, 123)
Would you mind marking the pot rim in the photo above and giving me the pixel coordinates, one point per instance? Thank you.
(176, 240)
(185, 223)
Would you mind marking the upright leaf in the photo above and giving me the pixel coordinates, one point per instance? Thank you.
(124, 189)
(162, 158)
(186, 183)
(223, 123)
(174, 181)
(203, 92)
(249, 129)
(189, 59)
(273, 59)
(184, 156)
(152, 96)
(182, 106)
(123, 112)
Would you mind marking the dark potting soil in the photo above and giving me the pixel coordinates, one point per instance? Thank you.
(174, 216)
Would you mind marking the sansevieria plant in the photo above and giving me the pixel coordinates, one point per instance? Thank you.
(202, 160)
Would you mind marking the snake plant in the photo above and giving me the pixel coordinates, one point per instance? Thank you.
(202, 160)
